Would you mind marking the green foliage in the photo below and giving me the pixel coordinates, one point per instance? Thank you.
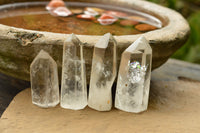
(191, 50)
(169, 3)
(190, 9)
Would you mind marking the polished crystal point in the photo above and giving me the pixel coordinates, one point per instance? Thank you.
(134, 75)
(44, 81)
(103, 73)
(73, 87)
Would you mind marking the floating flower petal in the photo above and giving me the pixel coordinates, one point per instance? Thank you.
(54, 4)
(62, 11)
(106, 19)
(90, 11)
(86, 17)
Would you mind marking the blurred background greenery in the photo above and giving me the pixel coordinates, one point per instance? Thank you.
(190, 9)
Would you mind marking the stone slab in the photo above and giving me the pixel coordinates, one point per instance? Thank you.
(174, 107)
(174, 69)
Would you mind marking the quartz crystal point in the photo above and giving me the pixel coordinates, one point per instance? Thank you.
(74, 87)
(103, 73)
(44, 81)
(134, 75)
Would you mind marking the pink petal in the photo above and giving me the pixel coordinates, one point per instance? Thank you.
(90, 11)
(85, 16)
(106, 19)
(61, 11)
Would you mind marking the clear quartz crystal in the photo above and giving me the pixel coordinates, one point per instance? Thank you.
(103, 73)
(134, 75)
(73, 87)
(44, 81)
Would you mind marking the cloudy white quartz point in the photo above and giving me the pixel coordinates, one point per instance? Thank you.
(103, 73)
(132, 92)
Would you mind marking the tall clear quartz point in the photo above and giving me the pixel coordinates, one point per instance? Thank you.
(103, 73)
(134, 75)
(44, 81)
(73, 87)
